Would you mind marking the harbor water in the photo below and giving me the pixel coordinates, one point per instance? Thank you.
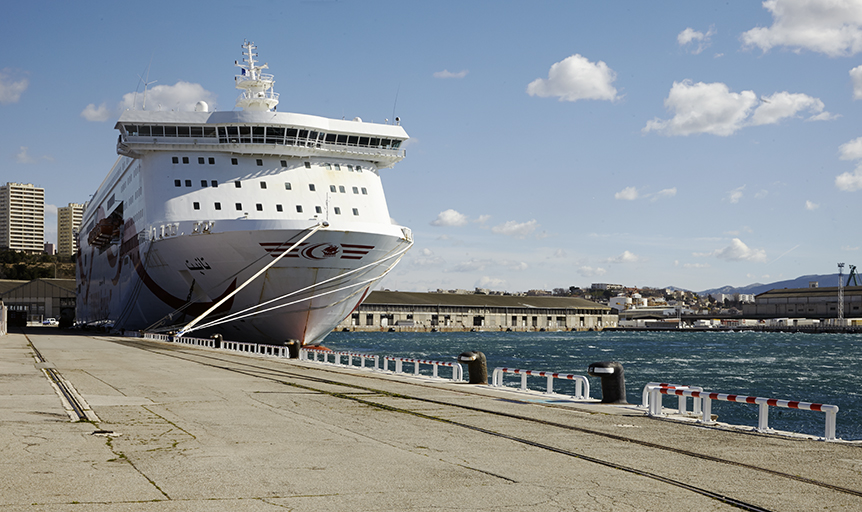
(819, 368)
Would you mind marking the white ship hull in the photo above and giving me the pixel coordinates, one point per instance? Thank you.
(199, 203)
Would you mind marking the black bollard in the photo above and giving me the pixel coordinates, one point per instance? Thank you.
(477, 366)
(218, 339)
(293, 347)
(613, 381)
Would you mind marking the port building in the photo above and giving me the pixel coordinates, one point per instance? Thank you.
(812, 302)
(22, 217)
(412, 311)
(68, 224)
(36, 300)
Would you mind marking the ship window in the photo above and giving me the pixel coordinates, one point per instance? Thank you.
(184, 131)
(311, 187)
(284, 163)
(245, 134)
(328, 167)
(178, 183)
(157, 131)
(197, 131)
(212, 161)
(374, 142)
(356, 211)
(286, 186)
(350, 168)
(263, 184)
(131, 129)
(204, 183)
(144, 131)
(299, 208)
(303, 134)
(275, 135)
(355, 190)
(188, 183)
(330, 137)
(278, 208)
(332, 188)
(201, 160)
(260, 162)
(257, 134)
(218, 206)
(341, 188)
(185, 159)
(385, 143)
(214, 183)
(237, 184)
(291, 135)
(234, 161)
(364, 191)
(396, 144)
(342, 139)
(175, 160)
(358, 168)
(318, 209)
(209, 131)
(170, 131)
(259, 207)
(363, 141)
(239, 206)
(308, 165)
(196, 206)
(352, 140)
(337, 211)
(233, 134)
(337, 167)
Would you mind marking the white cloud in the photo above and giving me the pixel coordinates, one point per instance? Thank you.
(482, 219)
(625, 257)
(811, 206)
(627, 194)
(851, 150)
(737, 251)
(735, 195)
(576, 78)
(696, 265)
(712, 108)
(850, 181)
(668, 192)
(182, 96)
(689, 35)
(856, 78)
(471, 266)
(101, 113)
(448, 74)
(559, 253)
(703, 108)
(12, 85)
(23, 156)
(782, 105)
(490, 282)
(516, 229)
(587, 271)
(427, 258)
(449, 217)
(831, 27)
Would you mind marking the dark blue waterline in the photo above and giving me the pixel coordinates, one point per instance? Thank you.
(819, 368)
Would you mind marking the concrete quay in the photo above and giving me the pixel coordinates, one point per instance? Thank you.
(183, 428)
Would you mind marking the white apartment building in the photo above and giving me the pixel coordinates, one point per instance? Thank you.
(22, 217)
(68, 224)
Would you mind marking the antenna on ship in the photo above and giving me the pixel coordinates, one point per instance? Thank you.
(257, 87)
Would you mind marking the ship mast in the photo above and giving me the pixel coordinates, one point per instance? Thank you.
(257, 93)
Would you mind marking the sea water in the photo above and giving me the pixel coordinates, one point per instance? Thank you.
(819, 368)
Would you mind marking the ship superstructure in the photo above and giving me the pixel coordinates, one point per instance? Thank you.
(274, 225)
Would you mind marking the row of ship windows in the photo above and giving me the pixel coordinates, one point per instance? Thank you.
(278, 208)
(259, 162)
(262, 135)
(238, 184)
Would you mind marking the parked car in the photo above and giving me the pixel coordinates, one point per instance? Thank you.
(50, 321)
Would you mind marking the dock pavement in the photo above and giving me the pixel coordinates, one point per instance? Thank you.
(177, 428)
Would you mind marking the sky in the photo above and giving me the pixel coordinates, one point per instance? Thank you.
(553, 144)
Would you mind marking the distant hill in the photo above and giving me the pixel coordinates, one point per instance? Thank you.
(800, 282)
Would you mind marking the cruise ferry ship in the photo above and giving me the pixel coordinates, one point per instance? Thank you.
(252, 223)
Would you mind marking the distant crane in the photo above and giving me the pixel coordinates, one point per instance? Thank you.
(852, 276)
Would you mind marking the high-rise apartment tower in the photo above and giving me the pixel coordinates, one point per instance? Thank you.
(22, 217)
(68, 224)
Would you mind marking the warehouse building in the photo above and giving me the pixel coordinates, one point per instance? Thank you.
(409, 311)
(821, 303)
(36, 300)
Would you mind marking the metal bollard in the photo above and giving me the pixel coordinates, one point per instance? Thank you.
(477, 366)
(613, 381)
(218, 340)
(293, 347)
